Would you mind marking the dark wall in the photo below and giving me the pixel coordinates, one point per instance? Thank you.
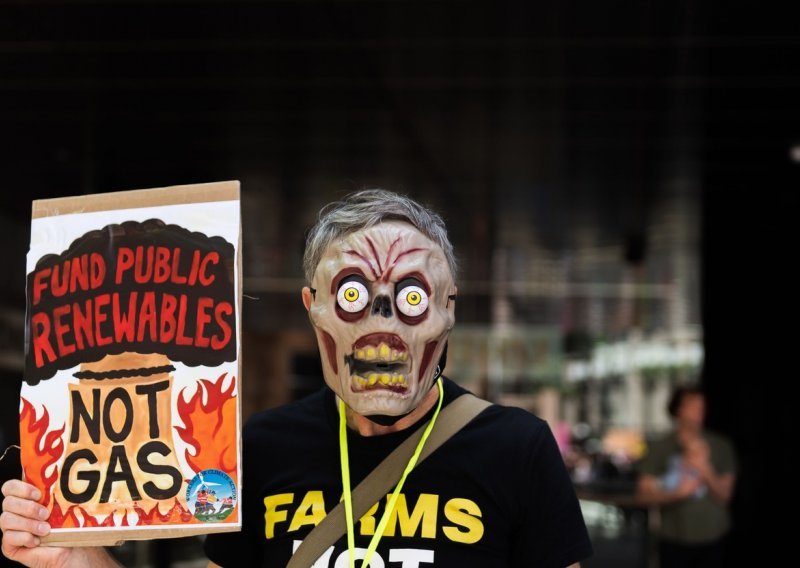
(750, 203)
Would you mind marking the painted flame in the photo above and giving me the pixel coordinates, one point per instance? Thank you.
(40, 449)
(69, 519)
(176, 514)
(61, 519)
(210, 426)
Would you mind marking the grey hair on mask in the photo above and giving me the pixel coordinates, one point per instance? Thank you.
(366, 208)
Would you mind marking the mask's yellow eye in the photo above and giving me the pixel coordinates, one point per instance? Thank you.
(412, 301)
(352, 296)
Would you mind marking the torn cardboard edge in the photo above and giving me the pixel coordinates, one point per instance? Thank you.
(133, 199)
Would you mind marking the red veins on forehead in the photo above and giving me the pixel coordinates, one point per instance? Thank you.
(382, 270)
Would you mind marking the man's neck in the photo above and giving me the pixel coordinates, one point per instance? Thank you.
(367, 427)
(688, 431)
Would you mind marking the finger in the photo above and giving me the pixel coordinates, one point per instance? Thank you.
(18, 539)
(13, 522)
(25, 508)
(19, 488)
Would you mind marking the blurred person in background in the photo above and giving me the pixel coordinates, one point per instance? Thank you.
(689, 474)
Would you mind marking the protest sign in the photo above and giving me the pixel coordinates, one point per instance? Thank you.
(129, 412)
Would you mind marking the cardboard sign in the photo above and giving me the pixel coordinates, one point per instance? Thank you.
(129, 414)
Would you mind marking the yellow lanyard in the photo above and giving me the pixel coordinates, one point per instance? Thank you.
(348, 499)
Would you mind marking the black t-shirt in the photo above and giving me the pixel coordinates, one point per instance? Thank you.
(495, 494)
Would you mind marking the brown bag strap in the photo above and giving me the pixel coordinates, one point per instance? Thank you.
(385, 476)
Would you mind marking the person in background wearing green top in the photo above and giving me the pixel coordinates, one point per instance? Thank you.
(689, 474)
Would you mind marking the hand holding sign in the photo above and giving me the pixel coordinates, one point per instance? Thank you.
(22, 525)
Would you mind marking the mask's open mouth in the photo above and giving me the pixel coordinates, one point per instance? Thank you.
(379, 361)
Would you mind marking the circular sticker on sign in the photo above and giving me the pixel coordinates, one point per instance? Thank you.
(211, 496)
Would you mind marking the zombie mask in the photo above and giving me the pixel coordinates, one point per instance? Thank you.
(382, 310)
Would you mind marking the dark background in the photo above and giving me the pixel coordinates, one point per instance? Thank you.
(575, 112)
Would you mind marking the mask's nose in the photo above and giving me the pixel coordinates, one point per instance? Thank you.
(382, 306)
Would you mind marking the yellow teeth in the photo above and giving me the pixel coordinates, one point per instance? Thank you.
(386, 379)
(380, 353)
(380, 376)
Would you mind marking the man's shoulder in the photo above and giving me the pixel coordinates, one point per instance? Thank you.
(714, 437)
(506, 428)
(497, 415)
(658, 453)
(512, 416)
(718, 442)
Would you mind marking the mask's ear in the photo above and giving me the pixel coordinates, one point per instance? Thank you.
(442, 363)
(308, 296)
(451, 302)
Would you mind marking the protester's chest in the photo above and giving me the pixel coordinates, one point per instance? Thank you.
(455, 509)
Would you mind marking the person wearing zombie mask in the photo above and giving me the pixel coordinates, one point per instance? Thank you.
(381, 299)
